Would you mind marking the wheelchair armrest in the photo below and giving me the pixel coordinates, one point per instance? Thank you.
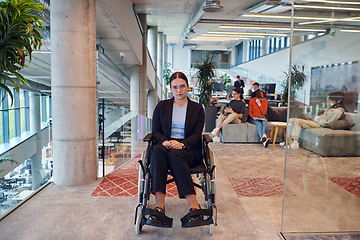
(147, 138)
(207, 138)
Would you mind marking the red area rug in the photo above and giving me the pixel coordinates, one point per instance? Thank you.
(124, 182)
(351, 185)
(259, 187)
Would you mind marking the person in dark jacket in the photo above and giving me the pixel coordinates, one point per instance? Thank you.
(177, 130)
(239, 83)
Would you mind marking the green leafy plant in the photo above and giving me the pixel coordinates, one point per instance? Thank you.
(7, 160)
(204, 74)
(225, 79)
(167, 73)
(19, 36)
(298, 78)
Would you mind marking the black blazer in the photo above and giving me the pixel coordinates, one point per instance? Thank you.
(194, 124)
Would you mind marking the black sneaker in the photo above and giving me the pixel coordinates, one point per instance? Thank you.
(266, 143)
(263, 139)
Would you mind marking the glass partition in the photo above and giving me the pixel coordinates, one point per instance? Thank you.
(123, 134)
(25, 152)
(322, 170)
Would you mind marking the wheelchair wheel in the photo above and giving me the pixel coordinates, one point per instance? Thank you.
(138, 225)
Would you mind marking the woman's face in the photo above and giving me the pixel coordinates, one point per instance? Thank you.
(235, 95)
(262, 97)
(179, 88)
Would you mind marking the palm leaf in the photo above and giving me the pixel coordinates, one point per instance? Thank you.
(19, 36)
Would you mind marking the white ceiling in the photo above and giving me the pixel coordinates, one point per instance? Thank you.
(173, 17)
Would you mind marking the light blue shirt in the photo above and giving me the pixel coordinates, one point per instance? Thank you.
(178, 122)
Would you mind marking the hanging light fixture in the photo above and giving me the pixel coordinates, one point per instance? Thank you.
(212, 6)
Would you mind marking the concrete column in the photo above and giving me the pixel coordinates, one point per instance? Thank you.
(246, 46)
(143, 70)
(152, 101)
(35, 127)
(153, 50)
(135, 90)
(264, 46)
(233, 56)
(152, 44)
(73, 87)
(160, 61)
(164, 61)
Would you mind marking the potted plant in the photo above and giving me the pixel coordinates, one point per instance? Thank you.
(166, 75)
(225, 79)
(298, 78)
(20, 35)
(205, 74)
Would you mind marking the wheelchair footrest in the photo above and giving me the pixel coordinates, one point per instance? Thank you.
(161, 221)
(205, 218)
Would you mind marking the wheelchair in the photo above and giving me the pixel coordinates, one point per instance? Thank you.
(206, 175)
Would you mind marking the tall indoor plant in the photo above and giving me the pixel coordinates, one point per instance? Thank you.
(19, 36)
(205, 73)
(298, 79)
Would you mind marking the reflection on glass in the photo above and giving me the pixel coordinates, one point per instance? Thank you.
(323, 166)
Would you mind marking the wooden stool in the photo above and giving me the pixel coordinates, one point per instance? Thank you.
(276, 126)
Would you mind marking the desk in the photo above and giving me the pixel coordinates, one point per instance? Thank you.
(21, 196)
(276, 126)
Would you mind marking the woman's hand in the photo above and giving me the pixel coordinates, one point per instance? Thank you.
(175, 144)
(172, 144)
(166, 144)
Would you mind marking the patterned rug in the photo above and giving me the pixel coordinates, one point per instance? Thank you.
(259, 187)
(124, 182)
(351, 185)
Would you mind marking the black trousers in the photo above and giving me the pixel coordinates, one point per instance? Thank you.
(179, 162)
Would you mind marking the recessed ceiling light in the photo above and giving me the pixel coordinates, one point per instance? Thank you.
(298, 17)
(336, 2)
(349, 30)
(325, 7)
(332, 20)
(231, 35)
(249, 33)
(274, 28)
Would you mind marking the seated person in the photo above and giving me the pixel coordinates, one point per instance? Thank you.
(232, 113)
(331, 114)
(177, 130)
(257, 111)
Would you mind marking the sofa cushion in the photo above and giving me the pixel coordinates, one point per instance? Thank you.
(330, 143)
(342, 124)
(276, 114)
(234, 133)
(354, 118)
(245, 116)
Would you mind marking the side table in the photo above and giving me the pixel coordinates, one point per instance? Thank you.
(276, 126)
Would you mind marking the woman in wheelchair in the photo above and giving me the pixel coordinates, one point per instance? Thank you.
(177, 131)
